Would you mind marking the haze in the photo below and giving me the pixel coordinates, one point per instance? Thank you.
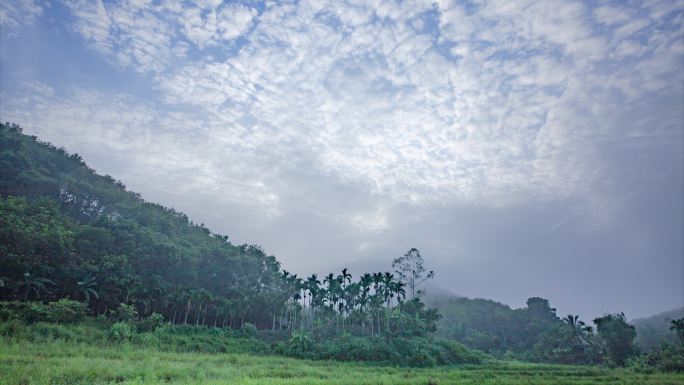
(526, 148)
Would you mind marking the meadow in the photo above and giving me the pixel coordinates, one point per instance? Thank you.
(62, 362)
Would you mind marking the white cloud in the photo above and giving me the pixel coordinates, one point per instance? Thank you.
(146, 36)
(493, 103)
(16, 13)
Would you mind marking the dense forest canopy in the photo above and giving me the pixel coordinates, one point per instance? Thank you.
(65, 229)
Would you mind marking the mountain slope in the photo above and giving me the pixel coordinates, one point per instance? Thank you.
(655, 330)
(64, 230)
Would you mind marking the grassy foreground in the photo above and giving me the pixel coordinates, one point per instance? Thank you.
(59, 362)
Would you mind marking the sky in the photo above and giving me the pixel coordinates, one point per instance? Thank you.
(526, 148)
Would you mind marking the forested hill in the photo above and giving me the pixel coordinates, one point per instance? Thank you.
(655, 330)
(66, 231)
(496, 328)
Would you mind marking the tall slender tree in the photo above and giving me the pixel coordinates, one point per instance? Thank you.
(411, 270)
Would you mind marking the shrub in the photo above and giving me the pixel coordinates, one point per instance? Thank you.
(151, 323)
(10, 328)
(62, 311)
(125, 313)
(402, 351)
(667, 358)
(121, 331)
(248, 330)
(67, 311)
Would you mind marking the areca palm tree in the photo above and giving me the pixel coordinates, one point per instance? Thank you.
(399, 290)
(332, 290)
(388, 287)
(313, 285)
(346, 277)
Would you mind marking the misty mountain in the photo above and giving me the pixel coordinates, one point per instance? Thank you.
(655, 330)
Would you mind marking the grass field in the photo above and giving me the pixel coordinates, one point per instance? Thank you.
(59, 362)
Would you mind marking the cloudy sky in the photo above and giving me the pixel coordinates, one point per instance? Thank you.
(527, 148)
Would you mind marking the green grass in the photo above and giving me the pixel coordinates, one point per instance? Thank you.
(61, 362)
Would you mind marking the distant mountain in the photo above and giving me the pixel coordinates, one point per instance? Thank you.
(655, 330)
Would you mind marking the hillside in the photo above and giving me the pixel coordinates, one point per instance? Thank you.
(655, 330)
(67, 232)
(78, 247)
(74, 244)
(494, 327)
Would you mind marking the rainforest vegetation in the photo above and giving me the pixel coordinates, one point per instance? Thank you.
(84, 260)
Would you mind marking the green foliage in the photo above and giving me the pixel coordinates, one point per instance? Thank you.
(568, 344)
(299, 343)
(667, 358)
(677, 326)
(150, 323)
(493, 327)
(121, 331)
(62, 362)
(618, 337)
(62, 311)
(68, 232)
(175, 338)
(67, 311)
(125, 313)
(87, 288)
(248, 330)
(403, 351)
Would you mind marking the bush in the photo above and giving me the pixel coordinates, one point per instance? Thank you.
(62, 311)
(150, 323)
(121, 331)
(67, 311)
(299, 342)
(402, 351)
(667, 358)
(248, 330)
(125, 313)
(10, 328)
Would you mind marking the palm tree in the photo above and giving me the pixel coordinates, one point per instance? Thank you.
(313, 285)
(35, 284)
(678, 326)
(387, 287)
(331, 290)
(579, 329)
(86, 287)
(346, 277)
(399, 290)
(364, 297)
